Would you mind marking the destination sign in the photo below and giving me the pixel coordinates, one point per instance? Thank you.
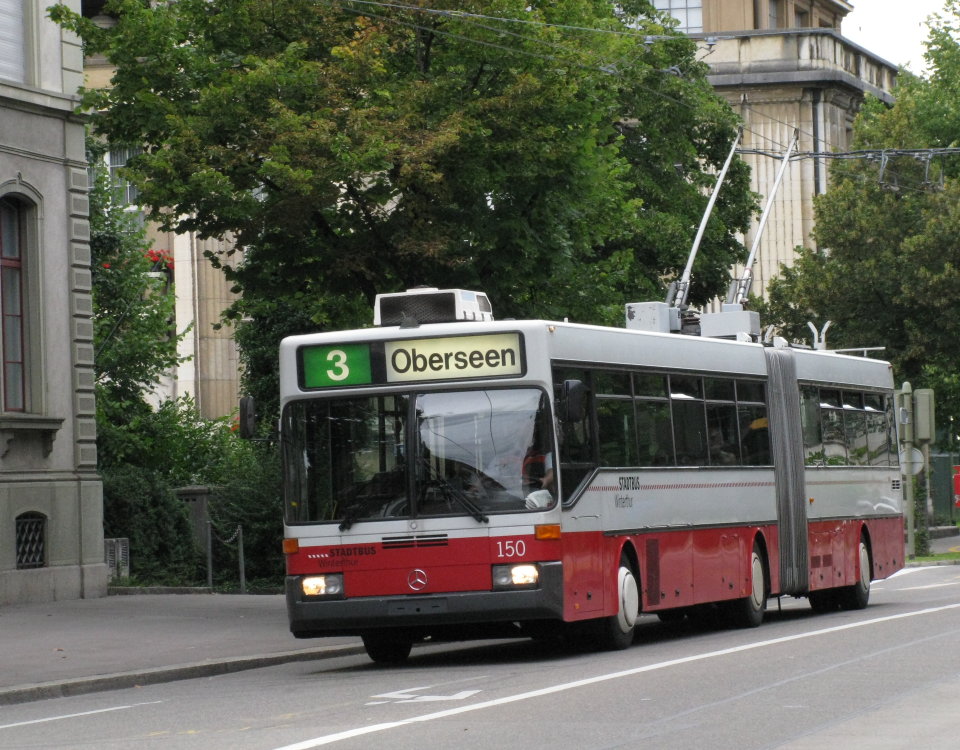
(459, 357)
(411, 360)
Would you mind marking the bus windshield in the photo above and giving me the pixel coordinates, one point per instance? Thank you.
(449, 453)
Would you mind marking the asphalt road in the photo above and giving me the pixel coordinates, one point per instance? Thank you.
(884, 677)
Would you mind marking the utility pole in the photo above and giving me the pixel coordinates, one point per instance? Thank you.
(925, 432)
(905, 423)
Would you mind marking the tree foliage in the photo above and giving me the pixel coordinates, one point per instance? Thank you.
(542, 152)
(133, 339)
(146, 451)
(886, 270)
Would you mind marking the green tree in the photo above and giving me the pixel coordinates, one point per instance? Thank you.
(146, 452)
(543, 152)
(886, 269)
(134, 343)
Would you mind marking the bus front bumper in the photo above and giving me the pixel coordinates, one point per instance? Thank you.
(426, 612)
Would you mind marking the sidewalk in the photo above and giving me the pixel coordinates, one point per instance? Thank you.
(79, 646)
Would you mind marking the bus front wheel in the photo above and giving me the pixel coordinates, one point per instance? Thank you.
(385, 648)
(616, 631)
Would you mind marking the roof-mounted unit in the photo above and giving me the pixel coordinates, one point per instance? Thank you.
(430, 305)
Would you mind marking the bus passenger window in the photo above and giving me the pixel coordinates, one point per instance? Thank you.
(754, 436)
(616, 432)
(855, 432)
(810, 426)
(834, 437)
(576, 440)
(689, 433)
(878, 453)
(722, 432)
(655, 433)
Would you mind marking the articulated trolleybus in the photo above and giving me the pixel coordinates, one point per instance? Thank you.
(448, 476)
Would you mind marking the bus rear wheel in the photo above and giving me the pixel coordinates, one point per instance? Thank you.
(385, 648)
(616, 631)
(858, 595)
(748, 611)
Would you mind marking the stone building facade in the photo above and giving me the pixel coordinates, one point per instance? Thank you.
(785, 67)
(51, 508)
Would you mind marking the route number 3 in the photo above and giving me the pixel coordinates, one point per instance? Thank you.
(511, 548)
(339, 371)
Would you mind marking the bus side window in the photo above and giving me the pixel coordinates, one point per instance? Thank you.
(754, 435)
(656, 433)
(689, 420)
(616, 432)
(810, 426)
(616, 422)
(576, 437)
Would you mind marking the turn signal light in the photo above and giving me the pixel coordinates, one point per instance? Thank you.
(547, 531)
(291, 546)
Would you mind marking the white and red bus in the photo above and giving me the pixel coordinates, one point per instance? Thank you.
(474, 478)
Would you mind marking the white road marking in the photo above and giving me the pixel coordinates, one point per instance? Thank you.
(410, 696)
(360, 731)
(74, 716)
(931, 586)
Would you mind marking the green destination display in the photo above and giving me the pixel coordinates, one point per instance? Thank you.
(412, 360)
(334, 366)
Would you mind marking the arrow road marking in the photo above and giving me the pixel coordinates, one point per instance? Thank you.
(410, 696)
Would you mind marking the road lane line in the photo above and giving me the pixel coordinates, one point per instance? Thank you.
(360, 731)
(74, 716)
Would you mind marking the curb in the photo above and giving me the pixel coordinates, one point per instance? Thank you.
(137, 590)
(121, 680)
(929, 563)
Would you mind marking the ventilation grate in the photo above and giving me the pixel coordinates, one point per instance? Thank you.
(415, 540)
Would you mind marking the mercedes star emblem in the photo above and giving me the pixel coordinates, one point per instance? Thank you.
(417, 579)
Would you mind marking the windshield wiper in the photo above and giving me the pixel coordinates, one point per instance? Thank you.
(350, 519)
(455, 492)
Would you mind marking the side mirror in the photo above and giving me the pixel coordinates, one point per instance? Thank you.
(248, 418)
(573, 401)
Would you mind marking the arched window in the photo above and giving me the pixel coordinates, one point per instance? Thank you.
(31, 540)
(13, 237)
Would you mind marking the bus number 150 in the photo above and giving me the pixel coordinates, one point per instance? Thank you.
(511, 548)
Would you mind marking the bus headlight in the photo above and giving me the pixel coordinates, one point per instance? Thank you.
(330, 584)
(522, 575)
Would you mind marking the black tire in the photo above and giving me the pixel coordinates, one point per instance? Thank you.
(822, 602)
(384, 648)
(616, 632)
(748, 612)
(672, 616)
(857, 596)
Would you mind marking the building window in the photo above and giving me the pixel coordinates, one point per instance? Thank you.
(13, 56)
(774, 16)
(688, 12)
(31, 537)
(13, 375)
(117, 159)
